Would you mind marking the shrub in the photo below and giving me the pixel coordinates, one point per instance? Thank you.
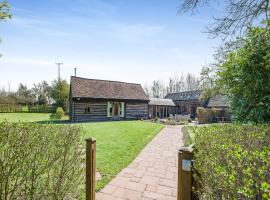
(40, 161)
(59, 114)
(232, 162)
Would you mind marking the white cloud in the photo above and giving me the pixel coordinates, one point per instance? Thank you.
(24, 61)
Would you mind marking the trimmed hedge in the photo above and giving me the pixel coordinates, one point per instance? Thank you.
(42, 108)
(40, 161)
(232, 161)
(10, 108)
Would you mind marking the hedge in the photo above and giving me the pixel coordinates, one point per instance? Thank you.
(40, 161)
(42, 108)
(232, 161)
(10, 108)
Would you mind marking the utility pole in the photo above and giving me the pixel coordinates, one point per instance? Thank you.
(59, 64)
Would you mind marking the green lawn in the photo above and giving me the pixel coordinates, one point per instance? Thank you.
(118, 143)
(30, 117)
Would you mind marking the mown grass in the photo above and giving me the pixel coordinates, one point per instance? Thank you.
(118, 143)
(26, 117)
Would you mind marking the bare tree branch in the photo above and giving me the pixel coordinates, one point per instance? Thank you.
(238, 16)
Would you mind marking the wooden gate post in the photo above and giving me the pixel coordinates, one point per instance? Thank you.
(184, 190)
(90, 168)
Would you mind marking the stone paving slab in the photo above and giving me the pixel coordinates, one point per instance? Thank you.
(152, 175)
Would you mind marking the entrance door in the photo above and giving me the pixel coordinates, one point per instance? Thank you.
(116, 110)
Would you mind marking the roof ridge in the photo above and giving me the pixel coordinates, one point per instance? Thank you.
(105, 80)
(185, 91)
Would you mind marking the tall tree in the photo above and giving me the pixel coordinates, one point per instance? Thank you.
(60, 93)
(245, 77)
(238, 15)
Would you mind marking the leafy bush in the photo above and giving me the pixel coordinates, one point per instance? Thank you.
(244, 76)
(188, 135)
(232, 162)
(59, 114)
(40, 161)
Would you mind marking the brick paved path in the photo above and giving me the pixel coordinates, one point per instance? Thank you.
(152, 175)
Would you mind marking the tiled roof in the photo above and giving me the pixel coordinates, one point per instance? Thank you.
(161, 102)
(218, 101)
(104, 89)
(184, 96)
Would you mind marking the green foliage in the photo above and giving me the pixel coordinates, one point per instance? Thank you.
(40, 161)
(187, 135)
(10, 108)
(24, 95)
(59, 114)
(245, 76)
(232, 161)
(4, 11)
(60, 93)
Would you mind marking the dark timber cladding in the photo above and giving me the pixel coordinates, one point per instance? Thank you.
(100, 100)
(161, 108)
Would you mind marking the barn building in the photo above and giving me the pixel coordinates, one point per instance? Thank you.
(186, 102)
(101, 100)
(161, 108)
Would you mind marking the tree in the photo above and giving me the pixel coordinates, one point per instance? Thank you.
(25, 95)
(4, 12)
(239, 14)
(60, 93)
(156, 89)
(245, 77)
(42, 92)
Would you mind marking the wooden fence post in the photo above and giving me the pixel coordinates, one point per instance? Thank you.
(184, 190)
(90, 168)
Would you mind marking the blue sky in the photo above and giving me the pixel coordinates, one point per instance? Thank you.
(125, 40)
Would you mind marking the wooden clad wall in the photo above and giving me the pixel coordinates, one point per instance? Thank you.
(98, 111)
(136, 110)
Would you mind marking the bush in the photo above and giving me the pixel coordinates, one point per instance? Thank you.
(59, 114)
(188, 135)
(232, 162)
(40, 161)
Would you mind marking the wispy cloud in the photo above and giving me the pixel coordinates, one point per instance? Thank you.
(25, 61)
(40, 26)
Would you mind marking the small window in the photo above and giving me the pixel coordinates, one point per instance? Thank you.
(87, 109)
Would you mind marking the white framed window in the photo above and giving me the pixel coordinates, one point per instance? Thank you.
(109, 109)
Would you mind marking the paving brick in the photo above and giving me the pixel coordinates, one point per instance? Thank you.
(152, 175)
(136, 186)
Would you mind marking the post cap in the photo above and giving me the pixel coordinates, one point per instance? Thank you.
(90, 139)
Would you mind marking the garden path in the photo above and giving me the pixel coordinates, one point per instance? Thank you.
(152, 175)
